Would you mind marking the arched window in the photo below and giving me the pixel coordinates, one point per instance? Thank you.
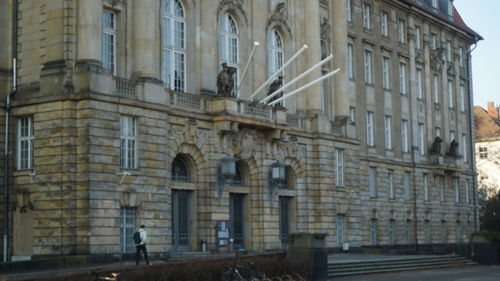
(179, 169)
(275, 52)
(229, 43)
(174, 45)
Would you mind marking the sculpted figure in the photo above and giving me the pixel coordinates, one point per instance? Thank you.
(275, 86)
(223, 80)
(453, 149)
(436, 146)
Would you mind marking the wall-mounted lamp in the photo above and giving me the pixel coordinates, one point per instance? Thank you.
(277, 175)
(226, 172)
(124, 174)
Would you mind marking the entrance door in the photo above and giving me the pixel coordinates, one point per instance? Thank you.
(284, 220)
(236, 213)
(23, 234)
(180, 220)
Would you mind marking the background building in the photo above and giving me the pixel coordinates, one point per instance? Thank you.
(116, 123)
(487, 124)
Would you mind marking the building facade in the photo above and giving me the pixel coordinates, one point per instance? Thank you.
(116, 122)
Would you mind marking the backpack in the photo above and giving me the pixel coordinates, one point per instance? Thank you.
(137, 238)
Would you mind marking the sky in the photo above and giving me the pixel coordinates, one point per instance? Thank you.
(483, 16)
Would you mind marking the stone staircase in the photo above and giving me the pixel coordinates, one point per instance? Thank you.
(393, 264)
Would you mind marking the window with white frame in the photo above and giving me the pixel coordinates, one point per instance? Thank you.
(452, 135)
(386, 75)
(450, 8)
(402, 78)
(373, 232)
(275, 52)
(435, 4)
(420, 86)
(437, 132)
(340, 230)
(173, 42)
(401, 31)
(418, 37)
(384, 23)
(448, 51)
(368, 67)
(464, 147)
(348, 10)
(370, 130)
(229, 45)
(462, 97)
(350, 60)
(367, 20)
(440, 186)
(128, 145)
(339, 167)
(390, 230)
(127, 229)
(352, 114)
(390, 184)
(421, 138)
(434, 43)
(404, 136)
(109, 41)
(388, 132)
(456, 188)
(372, 181)
(483, 152)
(406, 186)
(435, 88)
(25, 143)
(426, 187)
(450, 94)
(442, 231)
(460, 56)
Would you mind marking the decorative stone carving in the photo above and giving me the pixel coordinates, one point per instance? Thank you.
(325, 30)
(280, 17)
(244, 144)
(453, 151)
(275, 86)
(190, 132)
(436, 58)
(232, 6)
(436, 146)
(419, 57)
(225, 81)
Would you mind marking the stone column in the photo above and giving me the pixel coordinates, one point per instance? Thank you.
(145, 20)
(340, 60)
(311, 98)
(89, 25)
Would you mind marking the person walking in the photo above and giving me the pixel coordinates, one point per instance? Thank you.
(140, 239)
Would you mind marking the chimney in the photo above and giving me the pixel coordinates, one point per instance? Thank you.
(492, 110)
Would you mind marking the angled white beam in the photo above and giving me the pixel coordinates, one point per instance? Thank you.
(278, 72)
(294, 92)
(297, 78)
(255, 45)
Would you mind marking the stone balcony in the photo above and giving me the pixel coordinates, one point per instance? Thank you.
(446, 162)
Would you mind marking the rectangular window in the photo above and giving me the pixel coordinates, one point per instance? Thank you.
(420, 86)
(450, 94)
(350, 60)
(390, 230)
(435, 4)
(384, 23)
(370, 135)
(464, 147)
(427, 231)
(128, 144)
(25, 139)
(373, 232)
(440, 186)
(367, 21)
(390, 184)
(348, 10)
(456, 188)
(435, 88)
(452, 135)
(421, 138)
(426, 187)
(462, 98)
(442, 231)
(483, 152)
(418, 37)
(437, 132)
(401, 31)
(448, 51)
(466, 191)
(340, 230)
(388, 132)
(372, 182)
(368, 67)
(352, 114)
(386, 75)
(461, 57)
(404, 136)
(434, 41)
(109, 41)
(402, 78)
(339, 166)
(406, 185)
(127, 229)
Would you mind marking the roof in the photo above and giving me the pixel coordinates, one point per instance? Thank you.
(486, 126)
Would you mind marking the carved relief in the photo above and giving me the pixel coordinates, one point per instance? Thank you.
(244, 145)
(232, 6)
(280, 17)
(325, 30)
(436, 58)
(190, 132)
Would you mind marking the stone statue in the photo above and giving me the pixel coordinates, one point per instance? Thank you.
(453, 152)
(278, 83)
(225, 80)
(436, 146)
(230, 86)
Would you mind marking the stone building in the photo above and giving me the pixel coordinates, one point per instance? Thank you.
(116, 122)
(487, 125)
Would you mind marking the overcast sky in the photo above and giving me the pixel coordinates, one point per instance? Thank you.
(483, 16)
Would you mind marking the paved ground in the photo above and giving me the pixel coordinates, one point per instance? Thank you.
(348, 258)
(472, 273)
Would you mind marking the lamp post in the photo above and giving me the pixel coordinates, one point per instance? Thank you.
(226, 171)
(277, 175)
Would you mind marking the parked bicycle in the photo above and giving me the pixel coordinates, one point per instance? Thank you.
(242, 273)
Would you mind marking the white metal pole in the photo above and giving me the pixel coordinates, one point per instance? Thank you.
(255, 45)
(294, 92)
(296, 78)
(278, 71)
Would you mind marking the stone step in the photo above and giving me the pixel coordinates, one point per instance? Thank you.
(390, 265)
(381, 270)
(397, 261)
